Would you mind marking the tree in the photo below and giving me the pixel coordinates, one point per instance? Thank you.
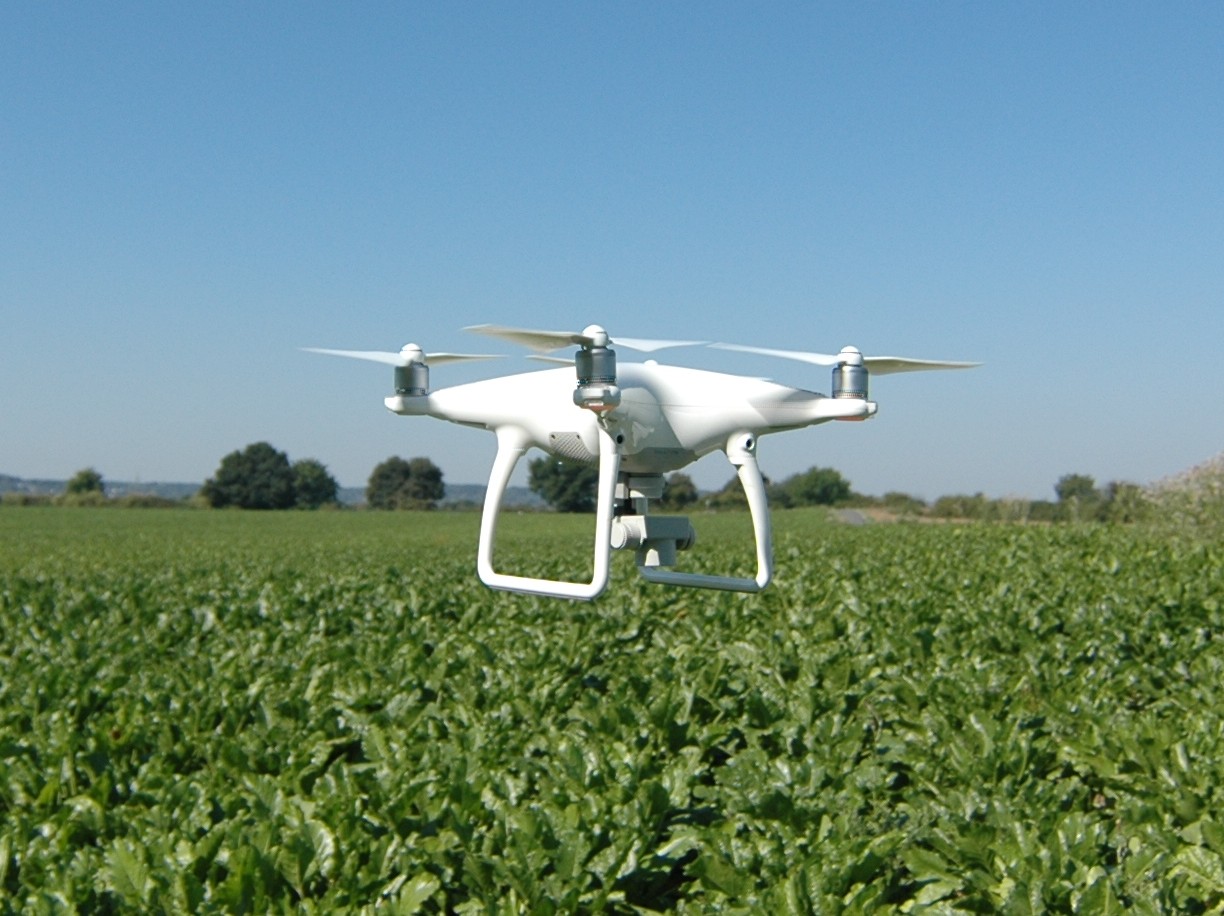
(814, 487)
(1124, 503)
(84, 481)
(1075, 486)
(902, 503)
(678, 491)
(731, 496)
(257, 477)
(567, 486)
(400, 484)
(312, 485)
(960, 505)
(1077, 496)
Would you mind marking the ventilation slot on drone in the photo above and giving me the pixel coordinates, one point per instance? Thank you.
(571, 447)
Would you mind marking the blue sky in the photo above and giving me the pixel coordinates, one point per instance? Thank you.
(191, 192)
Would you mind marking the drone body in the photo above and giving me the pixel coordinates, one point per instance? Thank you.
(668, 416)
(636, 422)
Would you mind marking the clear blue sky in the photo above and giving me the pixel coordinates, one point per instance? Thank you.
(191, 192)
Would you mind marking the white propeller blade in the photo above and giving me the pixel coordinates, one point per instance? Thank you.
(877, 365)
(817, 359)
(646, 345)
(887, 365)
(404, 357)
(592, 336)
(540, 341)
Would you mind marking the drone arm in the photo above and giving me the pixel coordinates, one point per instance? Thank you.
(741, 452)
(512, 444)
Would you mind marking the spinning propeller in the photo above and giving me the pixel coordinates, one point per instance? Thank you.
(411, 364)
(851, 367)
(595, 361)
(590, 336)
(880, 365)
(410, 353)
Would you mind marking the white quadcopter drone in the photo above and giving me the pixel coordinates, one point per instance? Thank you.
(637, 422)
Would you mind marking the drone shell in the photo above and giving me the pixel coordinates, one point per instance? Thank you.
(668, 417)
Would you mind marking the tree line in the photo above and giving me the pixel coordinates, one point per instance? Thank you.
(570, 487)
(260, 476)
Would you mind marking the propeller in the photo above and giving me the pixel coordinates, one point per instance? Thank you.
(409, 354)
(590, 336)
(850, 356)
(411, 364)
(594, 362)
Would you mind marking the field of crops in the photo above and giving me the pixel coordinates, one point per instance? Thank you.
(326, 712)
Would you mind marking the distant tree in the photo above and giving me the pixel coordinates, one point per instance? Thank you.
(1124, 503)
(731, 496)
(1191, 501)
(84, 481)
(313, 486)
(961, 506)
(813, 487)
(1042, 510)
(1075, 486)
(567, 486)
(387, 482)
(679, 491)
(1011, 509)
(902, 503)
(257, 477)
(400, 484)
(1078, 496)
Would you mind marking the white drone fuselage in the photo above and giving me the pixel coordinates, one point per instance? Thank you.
(668, 416)
(636, 422)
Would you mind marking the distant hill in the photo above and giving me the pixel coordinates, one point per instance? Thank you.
(456, 494)
(174, 491)
(35, 487)
(475, 493)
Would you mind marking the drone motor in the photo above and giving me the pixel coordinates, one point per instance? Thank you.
(412, 376)
(850, 375)
(596, 370)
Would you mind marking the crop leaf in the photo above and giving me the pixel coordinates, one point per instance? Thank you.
(128, 873)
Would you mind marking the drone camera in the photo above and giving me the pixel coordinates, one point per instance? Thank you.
(654, 538)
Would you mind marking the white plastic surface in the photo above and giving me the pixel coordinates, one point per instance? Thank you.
(741, 452)
(512, 443)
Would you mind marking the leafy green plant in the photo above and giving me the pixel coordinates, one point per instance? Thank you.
(244, 712)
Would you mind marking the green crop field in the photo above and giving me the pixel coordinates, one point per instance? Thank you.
(225, 712)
